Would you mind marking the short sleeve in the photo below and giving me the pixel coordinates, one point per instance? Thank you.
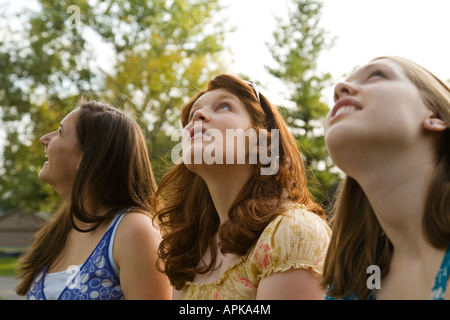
(296, 239)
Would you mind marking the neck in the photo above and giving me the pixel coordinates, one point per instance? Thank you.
(224, 184)
(64, 191)
(92, 208)
(397, 191)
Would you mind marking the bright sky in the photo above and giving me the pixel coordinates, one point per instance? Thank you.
(364, 29)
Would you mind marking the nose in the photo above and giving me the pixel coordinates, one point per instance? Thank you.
(45, 139)
(200, 115)
(344, 88)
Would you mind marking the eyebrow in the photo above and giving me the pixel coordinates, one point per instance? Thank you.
(368, 68)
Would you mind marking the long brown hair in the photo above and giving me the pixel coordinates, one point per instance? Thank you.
(188, 218)
(358, 240)
(115, 172)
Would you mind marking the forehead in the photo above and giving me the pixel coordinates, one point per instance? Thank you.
(70, 119)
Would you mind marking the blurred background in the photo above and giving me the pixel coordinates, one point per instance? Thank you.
(148, 57)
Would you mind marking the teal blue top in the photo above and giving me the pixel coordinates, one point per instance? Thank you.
(438, 290)
(440, 283)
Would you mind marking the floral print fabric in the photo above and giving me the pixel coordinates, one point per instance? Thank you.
(296, 239)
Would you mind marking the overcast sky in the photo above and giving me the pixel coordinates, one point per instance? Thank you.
(364, 29)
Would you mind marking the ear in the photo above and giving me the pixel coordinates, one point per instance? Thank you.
(433, 123)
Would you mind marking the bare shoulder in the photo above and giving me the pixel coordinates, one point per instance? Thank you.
(137, 225)
(135, 218)
(136, 237)
(135, 253)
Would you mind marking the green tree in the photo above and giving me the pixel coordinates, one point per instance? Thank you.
(298, 43)
(159, 50)
(176, 48)
(41, 68)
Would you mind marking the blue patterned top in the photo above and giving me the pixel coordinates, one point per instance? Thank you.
(94, 280)
(438, 290)
(440, 283)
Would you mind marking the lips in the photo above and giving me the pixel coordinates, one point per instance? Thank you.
(46, 156)
(345, 105)
(197, 131)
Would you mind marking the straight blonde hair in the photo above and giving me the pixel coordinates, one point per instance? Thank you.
(358, 240)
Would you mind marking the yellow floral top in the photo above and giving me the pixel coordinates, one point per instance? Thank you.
(296, 239)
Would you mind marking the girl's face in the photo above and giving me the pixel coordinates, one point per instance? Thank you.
(376, 106)
(213, 119)
(64, 154)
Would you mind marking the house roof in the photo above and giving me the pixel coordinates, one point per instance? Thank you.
(20, 220)
(17, 228)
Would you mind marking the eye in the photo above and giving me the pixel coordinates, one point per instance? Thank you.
(377, 74)
(224, 106)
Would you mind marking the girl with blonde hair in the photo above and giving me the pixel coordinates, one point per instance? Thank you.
(389, 133)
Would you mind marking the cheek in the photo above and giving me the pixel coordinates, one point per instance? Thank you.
(399, 113)
(68, 157)
(397, 101)
(55, 151)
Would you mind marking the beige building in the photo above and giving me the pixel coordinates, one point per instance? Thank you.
(17, 229)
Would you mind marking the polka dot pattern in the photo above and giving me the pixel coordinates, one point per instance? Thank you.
(95, 280)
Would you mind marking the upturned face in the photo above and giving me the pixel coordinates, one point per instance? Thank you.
(377, 106)
(214, 116)
(64, 155)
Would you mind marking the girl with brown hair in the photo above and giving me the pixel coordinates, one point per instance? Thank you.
(101, 244)
(389, 133)
(239, 229)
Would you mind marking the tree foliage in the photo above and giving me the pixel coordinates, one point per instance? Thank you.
(145, 57)
(298, 43)
(51, 55)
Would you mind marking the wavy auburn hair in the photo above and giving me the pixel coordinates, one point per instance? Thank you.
(188, 218)
(115, 172)
(358, 240)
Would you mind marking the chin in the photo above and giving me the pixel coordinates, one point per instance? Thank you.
(41, 176)
(192, 167)
(342, 134)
